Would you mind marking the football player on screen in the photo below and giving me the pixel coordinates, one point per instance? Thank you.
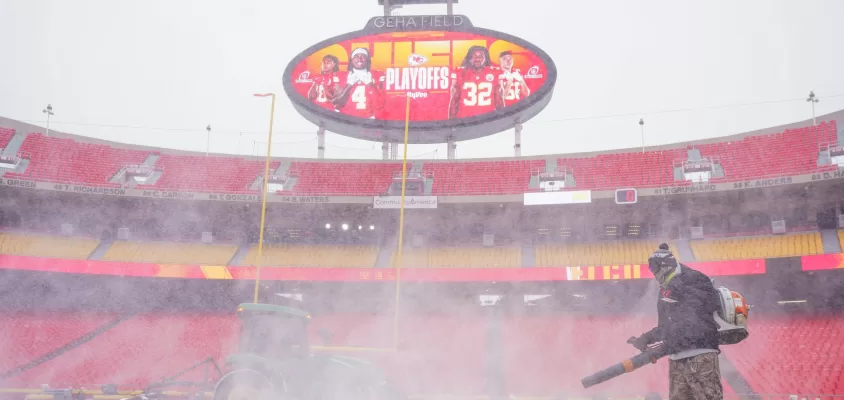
(327, 83)
(512, 83)
(474, 89)
(362, 94)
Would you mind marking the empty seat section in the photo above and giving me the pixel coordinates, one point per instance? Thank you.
(351, 179)
(482, 177)
(794, 151)
(200, 173)
(77, 248)
(439, 354)
(586, 254)
(5, 136)
(615, 171)
(799, 244)
(65, 160)
(792, 354)
(164, 344)
(323, 256)
(461, 257)
(171, 253)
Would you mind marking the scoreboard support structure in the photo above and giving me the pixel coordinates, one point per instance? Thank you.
(320, 143)
(389, 4)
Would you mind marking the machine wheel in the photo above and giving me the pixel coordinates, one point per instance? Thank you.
(244, 384)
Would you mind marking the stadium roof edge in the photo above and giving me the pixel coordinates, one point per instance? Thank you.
(837, 116)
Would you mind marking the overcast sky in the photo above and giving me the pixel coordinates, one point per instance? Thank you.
(148, 72)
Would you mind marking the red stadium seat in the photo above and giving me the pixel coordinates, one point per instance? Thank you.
(792, 355)
(614, 171)
(482, 177)
(5, 136)
(61, 160)
(208, 174)
(344, 179)
(794, 151)
(439, 355)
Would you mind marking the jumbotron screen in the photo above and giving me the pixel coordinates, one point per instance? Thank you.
(450, 75)
(455, 79)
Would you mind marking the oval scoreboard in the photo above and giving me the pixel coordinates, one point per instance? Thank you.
(463, 82)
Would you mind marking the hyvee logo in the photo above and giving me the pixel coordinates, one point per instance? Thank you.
(533, 73)
(304, 77)
(415, 60)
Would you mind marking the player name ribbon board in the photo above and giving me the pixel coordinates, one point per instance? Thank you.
(464, 82)
(178, 195)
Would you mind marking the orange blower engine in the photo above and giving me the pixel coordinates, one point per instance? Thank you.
(732, 320)
(732, 328)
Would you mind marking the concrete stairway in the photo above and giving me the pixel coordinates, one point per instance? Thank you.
(683, 250)
(240, 255)
(528, 256)
(14, 144)
(829, 238)
(101, 249)
(385, 252)
(693, 154)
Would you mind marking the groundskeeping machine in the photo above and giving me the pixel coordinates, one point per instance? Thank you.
(732, 328)
(274, 361)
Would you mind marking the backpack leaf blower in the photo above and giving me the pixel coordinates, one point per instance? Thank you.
(732, 329)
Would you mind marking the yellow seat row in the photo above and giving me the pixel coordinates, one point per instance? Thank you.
(322, 256)
(460, 257)
(758, 247)
(607, 253)
(170, 253)
(76, 248)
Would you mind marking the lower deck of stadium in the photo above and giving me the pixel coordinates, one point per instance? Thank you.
(618, 252)
(543, 355)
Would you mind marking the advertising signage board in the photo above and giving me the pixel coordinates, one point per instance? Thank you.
(464, 82)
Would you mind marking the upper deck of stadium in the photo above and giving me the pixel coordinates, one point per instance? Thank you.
(785, 150)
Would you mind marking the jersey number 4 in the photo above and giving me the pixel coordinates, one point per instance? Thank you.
(359, 97)
(321, 97)
(477, 94)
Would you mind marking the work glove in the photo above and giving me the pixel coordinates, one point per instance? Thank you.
(640, 343)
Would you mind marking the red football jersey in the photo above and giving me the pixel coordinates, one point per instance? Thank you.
(478, 90)
(365, 99)
(325, 84)
(512, 83)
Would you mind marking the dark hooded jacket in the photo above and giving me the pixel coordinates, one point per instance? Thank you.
(686, 306)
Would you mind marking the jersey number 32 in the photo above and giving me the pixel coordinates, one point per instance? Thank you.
(477, 94)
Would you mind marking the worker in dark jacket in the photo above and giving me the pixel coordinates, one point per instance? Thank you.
(686, 328)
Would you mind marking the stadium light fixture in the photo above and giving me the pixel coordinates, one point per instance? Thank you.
(812, 99)
(360, 227)
(327, 226)
(49, 112)
(371, 227)
(642, 128)
(208, 140)
(345, 227)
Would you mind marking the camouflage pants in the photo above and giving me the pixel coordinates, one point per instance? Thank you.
(695, 378)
